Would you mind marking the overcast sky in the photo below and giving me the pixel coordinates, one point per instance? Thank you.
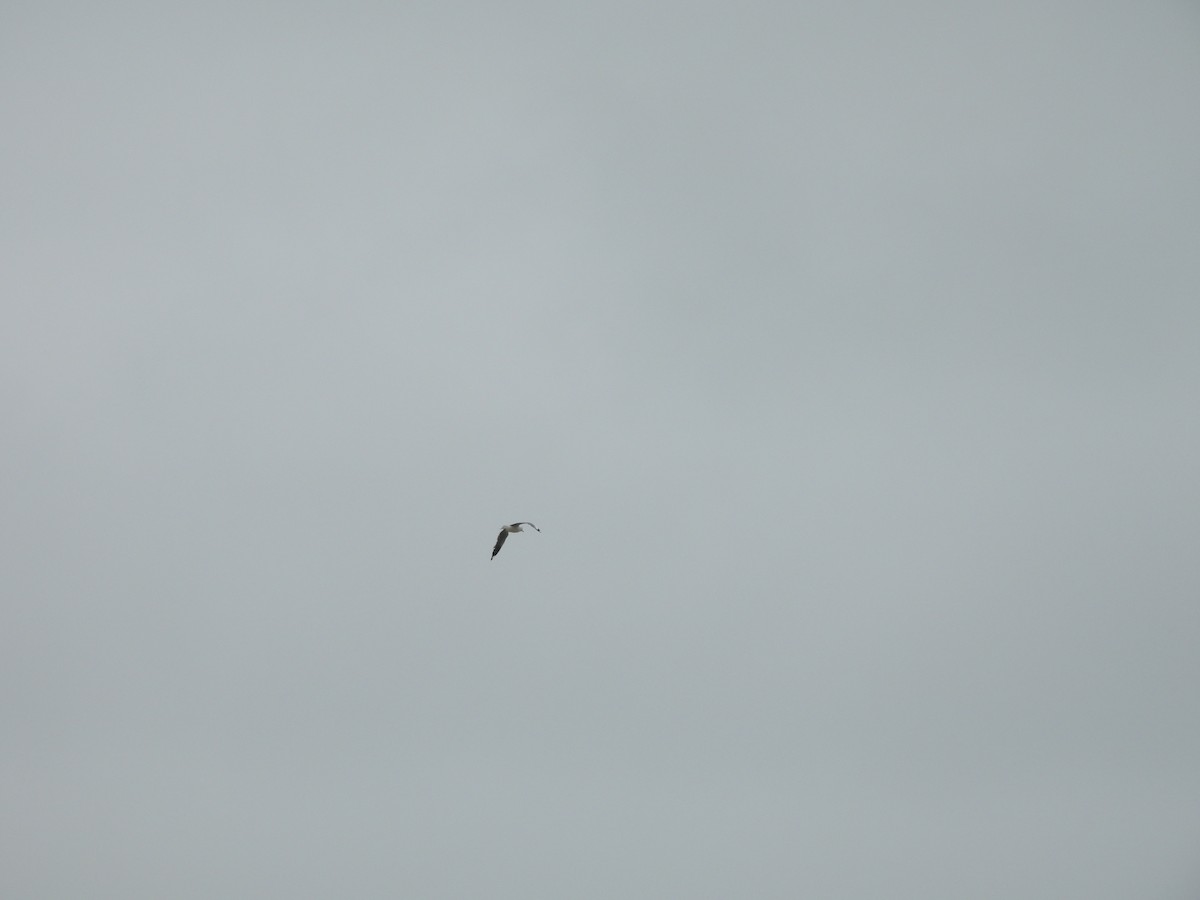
(847, 355)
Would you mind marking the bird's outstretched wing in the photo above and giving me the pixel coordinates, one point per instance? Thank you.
(499, 542)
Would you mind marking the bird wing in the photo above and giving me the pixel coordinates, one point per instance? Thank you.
(499, 542)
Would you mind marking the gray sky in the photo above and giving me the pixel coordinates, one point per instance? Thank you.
(846, 354)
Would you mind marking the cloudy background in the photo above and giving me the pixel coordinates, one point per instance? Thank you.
(847, 355)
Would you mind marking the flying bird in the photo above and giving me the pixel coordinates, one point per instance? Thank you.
(510, 529)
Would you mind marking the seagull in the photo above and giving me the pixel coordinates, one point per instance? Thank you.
(510, 529)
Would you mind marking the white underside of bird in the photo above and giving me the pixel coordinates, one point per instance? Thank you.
(514, 528)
